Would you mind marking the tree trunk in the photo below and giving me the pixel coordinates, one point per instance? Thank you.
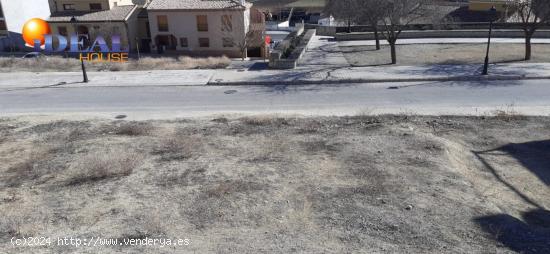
(393, 53)
(376, 37)
(528, 48)
(349, 26)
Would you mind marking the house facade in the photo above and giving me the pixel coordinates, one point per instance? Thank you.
(98, 17)
(87, 5)
(13, 15)
(192, 27)
(204, 27)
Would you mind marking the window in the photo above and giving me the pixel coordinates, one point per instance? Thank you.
(227, 23)
(95, 7)
(184, 43)
(202, 23)
(162, 21)
(69, 7)
(62, 30)
(204, 42)
(228, 42)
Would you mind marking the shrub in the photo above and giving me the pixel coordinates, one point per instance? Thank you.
(134, 129)
(103, 165)
(179, 147)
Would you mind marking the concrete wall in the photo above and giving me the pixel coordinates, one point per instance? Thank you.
(444, 34)
(183, 24)
(132, 28)
(16, 13)
(277, 62)
(324, 30)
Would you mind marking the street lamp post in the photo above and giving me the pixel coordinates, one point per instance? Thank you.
(84, 75)
(492, 14)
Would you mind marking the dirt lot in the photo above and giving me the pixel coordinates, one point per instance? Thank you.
(363, 184)
(418, 54)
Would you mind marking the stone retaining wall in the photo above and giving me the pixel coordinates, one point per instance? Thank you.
(276, 60)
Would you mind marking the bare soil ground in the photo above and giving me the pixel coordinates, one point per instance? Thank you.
(419, 54)
(362, 184)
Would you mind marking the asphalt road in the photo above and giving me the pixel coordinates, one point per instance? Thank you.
(472, 98)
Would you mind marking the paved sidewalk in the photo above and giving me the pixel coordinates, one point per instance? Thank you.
(336, 74)
(323, 51)
(18, 80)
(304, 75)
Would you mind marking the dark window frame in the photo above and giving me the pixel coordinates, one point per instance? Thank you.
(92, 5)
(184, 42)
(162, 27)
(227, 23)
(69, 5)
(228, 42)
(202, 27)
(204, 42)
(62, 30)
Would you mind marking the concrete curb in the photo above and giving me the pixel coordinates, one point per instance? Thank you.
(362, 80)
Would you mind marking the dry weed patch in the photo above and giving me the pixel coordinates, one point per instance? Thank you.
(103, 165)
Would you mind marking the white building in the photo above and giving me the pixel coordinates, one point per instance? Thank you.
(204, 27)
(13, 15)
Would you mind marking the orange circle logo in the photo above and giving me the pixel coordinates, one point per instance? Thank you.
(35, 29)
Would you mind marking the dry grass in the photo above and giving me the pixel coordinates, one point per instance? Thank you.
(57, 63)
(266, 149)
(419, 54)
(179, 147)
(30, 168)
(102, 165)
(133, 129)
(264, 120)
(22, 219)
(398, 184)
(507, 114)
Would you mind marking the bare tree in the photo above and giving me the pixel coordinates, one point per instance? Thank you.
(244, 32)
(531, 13)
(347, 10)
(371, 12)
(399, 13)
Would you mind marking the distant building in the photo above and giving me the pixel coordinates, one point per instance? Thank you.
(13, 15)
(484, 5)
(205, 27)
(100, 17)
